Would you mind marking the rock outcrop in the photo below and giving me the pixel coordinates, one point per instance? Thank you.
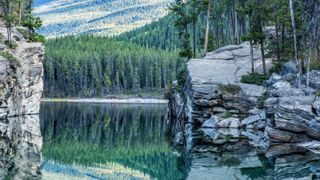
(21, 88)
(276, 113)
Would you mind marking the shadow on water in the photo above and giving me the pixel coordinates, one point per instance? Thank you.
(107, 141)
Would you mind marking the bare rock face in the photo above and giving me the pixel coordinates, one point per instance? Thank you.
(21, 87)
(213, 95)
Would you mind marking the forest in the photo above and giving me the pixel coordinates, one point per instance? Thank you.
(150, 58)
(87, 66)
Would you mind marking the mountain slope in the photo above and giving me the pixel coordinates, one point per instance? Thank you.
(104, 17)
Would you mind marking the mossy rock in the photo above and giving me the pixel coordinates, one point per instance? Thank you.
(230, 89)
(13, 60)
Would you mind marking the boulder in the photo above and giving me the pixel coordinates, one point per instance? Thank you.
(283, 136)
(295, 114)
(285, 89)
(316, 106)
(274, 78)
(289, 67)
(210, 123)
(315, 79)
(228, 123)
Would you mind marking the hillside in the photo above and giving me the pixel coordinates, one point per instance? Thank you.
(94, 66)
(103, 17)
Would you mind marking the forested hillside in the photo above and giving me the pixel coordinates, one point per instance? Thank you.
(87, 66)
(148, 57)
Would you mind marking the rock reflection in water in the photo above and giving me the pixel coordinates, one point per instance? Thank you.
(227, 154)
(20, 147)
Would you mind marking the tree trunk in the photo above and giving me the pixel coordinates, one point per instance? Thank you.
(194, 40)
(278, 39)
(20, 13)
(263, 58)
(298, 64)
(8, 22)
(207, 29)
(252, 58)
(308, 67)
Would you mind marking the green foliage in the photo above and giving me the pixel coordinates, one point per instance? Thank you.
(10, 57)
(262, 100)
(32, 22)
(253, 172)
(315, 64)
(168, 92)
(226, 114)
(89, 66)
(254, 78)
(37, 38)
(318, 93)
(31, 37)
(13, 46)
(182, 79)
(276, 67)
(230, 88)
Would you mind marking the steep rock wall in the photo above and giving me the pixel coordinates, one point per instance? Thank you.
(21, 88)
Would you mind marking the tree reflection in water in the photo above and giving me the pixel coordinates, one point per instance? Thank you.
(92, 134)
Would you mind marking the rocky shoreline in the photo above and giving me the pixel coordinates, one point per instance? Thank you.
(276, 117)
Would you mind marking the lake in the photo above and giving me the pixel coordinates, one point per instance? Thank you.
(107, 141)
(128, 141)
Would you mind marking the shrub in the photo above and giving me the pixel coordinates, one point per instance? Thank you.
(318, 93)
(276, 68)
(168, 92)
(254, 78)
(230, 88)
(262, 100)
(226, 114)
(31, 37)
(315, 64)
(181, 77)
(10, 57)
(37, 38)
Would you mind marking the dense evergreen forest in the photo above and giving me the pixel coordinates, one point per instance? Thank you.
(89, 66)
(150, 57)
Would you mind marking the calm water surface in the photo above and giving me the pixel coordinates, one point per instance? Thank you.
(118, 141)
(107, 141)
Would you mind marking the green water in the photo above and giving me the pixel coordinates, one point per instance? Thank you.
(107, 141)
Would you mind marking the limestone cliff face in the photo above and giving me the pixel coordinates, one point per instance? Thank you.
(215, 107)
(213, 88)
(21, 88)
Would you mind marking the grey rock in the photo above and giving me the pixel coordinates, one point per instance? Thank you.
(289, 67)
(285, 89)
(210, 123)
(178, 139)
(283, 136)
(315, 79)
(220, 56)
(228, 123)
(316, 106)
(295, 114)
(2, 47)
(251, 119)
(274, 78)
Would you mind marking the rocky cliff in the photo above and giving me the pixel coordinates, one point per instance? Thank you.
(20, 92)
(214, 107)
